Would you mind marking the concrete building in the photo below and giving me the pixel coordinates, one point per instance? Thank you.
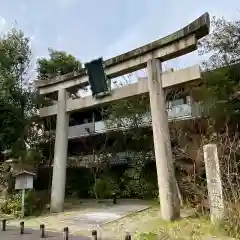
(90, 126)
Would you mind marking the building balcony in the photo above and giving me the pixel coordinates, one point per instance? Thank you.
(180, 112)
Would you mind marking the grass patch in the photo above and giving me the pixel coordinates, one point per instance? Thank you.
(148, 225)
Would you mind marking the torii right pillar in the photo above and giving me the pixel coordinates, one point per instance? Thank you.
(168, 195)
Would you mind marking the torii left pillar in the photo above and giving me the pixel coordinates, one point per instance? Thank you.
(60, 154)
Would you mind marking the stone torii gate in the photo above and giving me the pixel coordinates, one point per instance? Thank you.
(150, 56)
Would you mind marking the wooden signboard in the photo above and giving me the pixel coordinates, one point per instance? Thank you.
(24, 180)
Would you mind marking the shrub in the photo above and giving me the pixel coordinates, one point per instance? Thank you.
(104, 188)
(231, 222)
(137, 184)
(12, 206)
(139, 188)
(30, 203)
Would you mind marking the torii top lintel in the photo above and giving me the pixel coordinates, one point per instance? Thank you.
(198, 28)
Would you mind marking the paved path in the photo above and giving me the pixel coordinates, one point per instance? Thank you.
(103, 215)
(13, 233)
(86, 217)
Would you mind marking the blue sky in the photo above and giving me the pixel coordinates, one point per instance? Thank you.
(93, 28)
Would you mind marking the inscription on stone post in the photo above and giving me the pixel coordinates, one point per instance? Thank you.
(214, 182)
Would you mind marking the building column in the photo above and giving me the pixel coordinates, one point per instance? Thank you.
(60, 154)
(168, 195)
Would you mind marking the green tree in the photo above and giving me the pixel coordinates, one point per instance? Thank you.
(221, 89)
(19, 131)
(59, 63)
(18, 98)
(14, 60)
(11, 124)
(132, 117)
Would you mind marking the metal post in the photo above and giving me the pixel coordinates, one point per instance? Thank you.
(21, 227)
(114, 196)
(128, 236)
(94, 235)
(4, 224)
(93, 121)
(42, 231)
(65, 234)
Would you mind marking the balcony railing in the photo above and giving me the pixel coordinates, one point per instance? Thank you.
(180, 112)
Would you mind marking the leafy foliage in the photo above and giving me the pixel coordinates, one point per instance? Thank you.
(131, 116)
(14, 96)
(221, 88)
(20, 131)
(11, 124)
(12, 206)
(59, 63)
(222, 45)
(230, 223)
(136, 181)
(104, 187)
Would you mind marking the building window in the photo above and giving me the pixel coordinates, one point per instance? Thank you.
(178, 102)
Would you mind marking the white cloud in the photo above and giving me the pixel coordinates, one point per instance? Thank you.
(2, 23)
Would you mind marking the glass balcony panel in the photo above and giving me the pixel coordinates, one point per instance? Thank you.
(179, 112)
